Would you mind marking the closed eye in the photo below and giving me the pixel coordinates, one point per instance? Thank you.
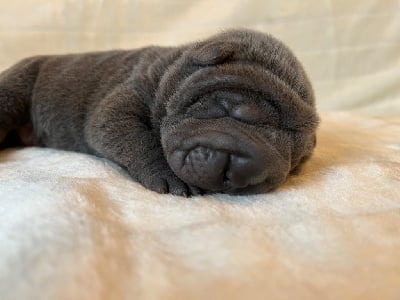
(223, 104)
(246, 113)
(203, 111)
(254, 114)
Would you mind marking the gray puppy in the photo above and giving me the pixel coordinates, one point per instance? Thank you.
(234, 113)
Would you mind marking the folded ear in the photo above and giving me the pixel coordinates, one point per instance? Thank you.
(212, 53)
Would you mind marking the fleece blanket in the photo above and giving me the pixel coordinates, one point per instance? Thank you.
(76, 227)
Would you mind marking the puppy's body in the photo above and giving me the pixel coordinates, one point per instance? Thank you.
(234, 113)
(59, 93)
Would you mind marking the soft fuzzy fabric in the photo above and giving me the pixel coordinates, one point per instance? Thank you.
(74, 227)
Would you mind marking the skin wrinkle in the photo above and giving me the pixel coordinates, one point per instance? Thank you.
(131, 106)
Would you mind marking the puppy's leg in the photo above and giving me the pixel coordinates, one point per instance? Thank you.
(16, 84)
(119, 129)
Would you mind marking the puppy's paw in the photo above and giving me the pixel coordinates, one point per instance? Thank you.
(3, 134)
(195, 191)
(167, 182)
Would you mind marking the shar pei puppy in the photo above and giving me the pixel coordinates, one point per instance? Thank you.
(233, 113)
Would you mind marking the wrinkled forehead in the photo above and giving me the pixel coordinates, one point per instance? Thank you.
(243, 61)
(240, 44)
(253, 48)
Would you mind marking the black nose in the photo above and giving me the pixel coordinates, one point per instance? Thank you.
(207, 167)
(213, 169)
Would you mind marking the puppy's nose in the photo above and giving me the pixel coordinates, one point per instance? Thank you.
(217, 169)
(208, 166)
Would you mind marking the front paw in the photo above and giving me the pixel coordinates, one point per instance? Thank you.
(167, 182)
(3, 135)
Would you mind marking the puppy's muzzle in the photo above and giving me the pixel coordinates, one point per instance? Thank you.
(215, 169)
(221, 161)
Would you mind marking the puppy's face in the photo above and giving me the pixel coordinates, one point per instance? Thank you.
(240, 114)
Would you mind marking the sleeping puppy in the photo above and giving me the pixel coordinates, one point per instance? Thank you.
(234, 113)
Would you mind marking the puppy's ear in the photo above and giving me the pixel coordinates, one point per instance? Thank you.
(212, 53)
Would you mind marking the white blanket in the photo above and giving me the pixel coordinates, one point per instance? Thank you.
(75, 227)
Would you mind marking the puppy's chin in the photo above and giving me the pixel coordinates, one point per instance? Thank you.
(219, 155)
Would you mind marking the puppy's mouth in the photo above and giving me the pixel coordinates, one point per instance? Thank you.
(220, 161)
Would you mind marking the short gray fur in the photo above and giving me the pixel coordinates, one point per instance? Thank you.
(234, 113)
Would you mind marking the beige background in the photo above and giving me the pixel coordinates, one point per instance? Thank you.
(350, 48)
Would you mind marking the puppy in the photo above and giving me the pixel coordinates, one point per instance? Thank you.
(234, 113)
